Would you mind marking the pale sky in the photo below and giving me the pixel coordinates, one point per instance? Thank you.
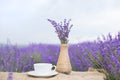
(25, 21)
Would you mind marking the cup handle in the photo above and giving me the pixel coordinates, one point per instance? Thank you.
(53, 68)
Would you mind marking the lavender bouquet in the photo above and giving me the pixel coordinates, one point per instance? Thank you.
(62, 29)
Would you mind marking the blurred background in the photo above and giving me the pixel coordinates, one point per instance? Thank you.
(25, 21)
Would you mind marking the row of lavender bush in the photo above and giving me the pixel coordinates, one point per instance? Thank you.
(98, 54)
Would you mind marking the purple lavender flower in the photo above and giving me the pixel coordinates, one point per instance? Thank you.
(62, 29)
(10, 76)
(103, 53)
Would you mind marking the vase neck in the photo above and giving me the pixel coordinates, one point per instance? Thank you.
(64, 45)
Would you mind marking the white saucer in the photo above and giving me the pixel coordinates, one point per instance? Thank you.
(42, 74)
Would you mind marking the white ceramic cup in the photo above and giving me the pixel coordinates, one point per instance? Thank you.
(44, 67)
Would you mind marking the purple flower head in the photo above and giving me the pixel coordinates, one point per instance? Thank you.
(62, 29)
(10, 76)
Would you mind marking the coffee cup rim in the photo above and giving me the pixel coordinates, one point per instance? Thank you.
(42, 64)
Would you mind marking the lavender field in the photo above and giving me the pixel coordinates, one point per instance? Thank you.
(103, 53)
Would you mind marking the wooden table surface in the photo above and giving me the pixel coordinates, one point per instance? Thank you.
(73, 76)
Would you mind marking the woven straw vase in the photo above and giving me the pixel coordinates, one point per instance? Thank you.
(63, 64)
